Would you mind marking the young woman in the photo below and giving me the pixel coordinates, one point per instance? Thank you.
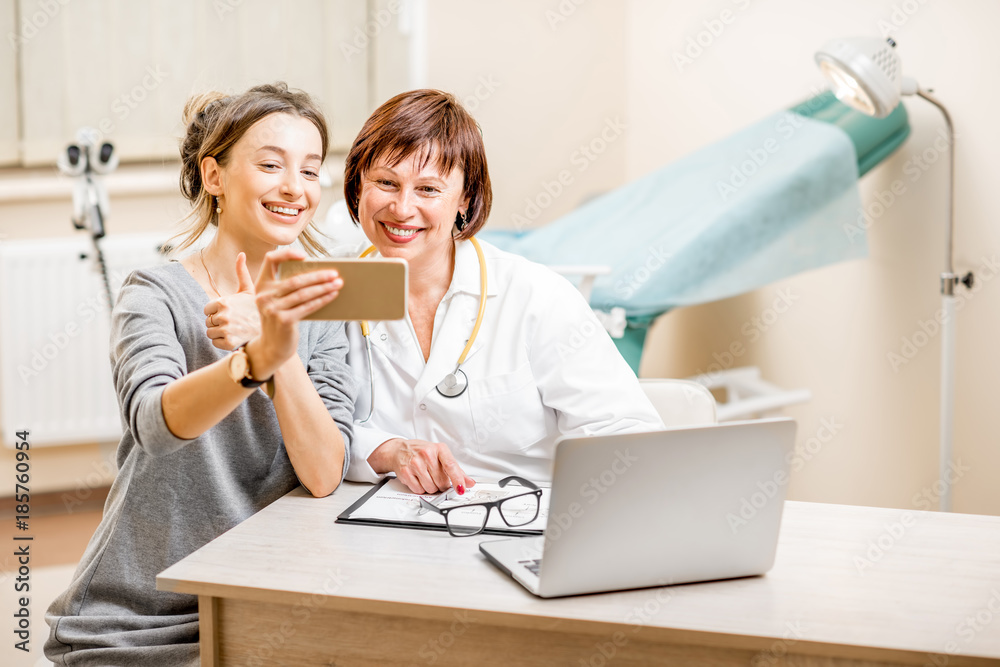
(204, 446)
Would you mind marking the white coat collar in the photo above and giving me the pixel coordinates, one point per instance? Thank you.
(465, 279)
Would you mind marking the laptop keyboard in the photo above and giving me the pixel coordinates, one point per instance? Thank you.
(532, 565)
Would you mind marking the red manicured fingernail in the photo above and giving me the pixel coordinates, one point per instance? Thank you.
(461, 490)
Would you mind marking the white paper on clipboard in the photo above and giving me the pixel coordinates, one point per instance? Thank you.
(392, 504)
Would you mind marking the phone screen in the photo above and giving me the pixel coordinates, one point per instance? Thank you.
(374, 289)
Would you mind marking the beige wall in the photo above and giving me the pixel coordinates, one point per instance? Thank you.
(541, 87)
(557, 82)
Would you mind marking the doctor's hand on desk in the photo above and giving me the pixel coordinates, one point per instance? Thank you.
(233, 319)
(424, 467)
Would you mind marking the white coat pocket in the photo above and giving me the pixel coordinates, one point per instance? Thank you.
(507, 411)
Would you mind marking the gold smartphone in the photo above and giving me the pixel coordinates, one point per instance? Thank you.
(374, 289)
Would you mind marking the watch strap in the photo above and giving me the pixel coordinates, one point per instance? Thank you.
(251, 384)
(247, 380)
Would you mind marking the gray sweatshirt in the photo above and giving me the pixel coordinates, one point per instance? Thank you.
(172, 496)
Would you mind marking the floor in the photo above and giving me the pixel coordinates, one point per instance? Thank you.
(58, 544)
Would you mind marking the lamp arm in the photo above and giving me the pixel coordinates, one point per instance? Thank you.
(948, 278)
(948, 306)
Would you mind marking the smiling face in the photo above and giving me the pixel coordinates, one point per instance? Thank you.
(269, 187)
(407, 210)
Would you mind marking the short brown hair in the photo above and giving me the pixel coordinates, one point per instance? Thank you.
(215, 122)
(433, 125)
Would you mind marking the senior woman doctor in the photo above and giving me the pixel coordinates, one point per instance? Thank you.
(541, 366)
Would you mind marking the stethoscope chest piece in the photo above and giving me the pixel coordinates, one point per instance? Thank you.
(453, 384)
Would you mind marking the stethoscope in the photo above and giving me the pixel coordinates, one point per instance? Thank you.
(455, 383)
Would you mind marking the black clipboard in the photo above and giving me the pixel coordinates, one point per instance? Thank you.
(345, 517)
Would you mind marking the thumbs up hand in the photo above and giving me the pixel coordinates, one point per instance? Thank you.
(234, 319)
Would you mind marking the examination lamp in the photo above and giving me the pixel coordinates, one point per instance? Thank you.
(88, 157)
(86, 161)
(866, 74)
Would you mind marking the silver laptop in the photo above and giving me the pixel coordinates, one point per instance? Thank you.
(654, 509)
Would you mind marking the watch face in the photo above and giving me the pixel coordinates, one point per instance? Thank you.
(238, 366)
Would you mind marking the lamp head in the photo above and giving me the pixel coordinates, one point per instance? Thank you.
(865, 73)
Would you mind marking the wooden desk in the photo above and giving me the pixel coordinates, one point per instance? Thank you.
(851, 585)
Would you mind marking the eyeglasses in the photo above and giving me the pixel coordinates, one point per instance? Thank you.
(467, 520)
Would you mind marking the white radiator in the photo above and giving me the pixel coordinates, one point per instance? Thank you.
(55, 375)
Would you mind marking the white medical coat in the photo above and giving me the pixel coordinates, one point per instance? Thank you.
(541, 367)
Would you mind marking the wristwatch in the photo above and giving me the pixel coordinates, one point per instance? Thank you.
(239, 369)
